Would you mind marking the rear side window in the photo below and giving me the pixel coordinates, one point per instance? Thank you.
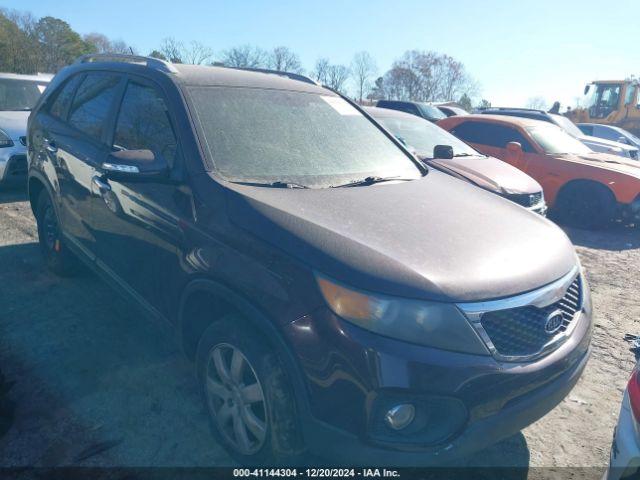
(143, 123)
(92, 103)
(490, 134)
(63, 96)
(586, 129)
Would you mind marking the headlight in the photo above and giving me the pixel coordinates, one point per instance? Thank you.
(438, 325)
(5, 140)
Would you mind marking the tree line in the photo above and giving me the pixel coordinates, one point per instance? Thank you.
(29, 45)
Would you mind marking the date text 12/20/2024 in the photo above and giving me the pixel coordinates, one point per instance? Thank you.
(316, 472)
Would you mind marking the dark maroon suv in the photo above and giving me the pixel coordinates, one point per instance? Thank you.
(336, 296)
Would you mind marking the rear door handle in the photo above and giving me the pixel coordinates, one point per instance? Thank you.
(101, 185)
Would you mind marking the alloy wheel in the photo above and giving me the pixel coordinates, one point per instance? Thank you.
(236, 399)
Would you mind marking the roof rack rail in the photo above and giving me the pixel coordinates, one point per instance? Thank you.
(292, 76)
(524, 109)
(150, 62)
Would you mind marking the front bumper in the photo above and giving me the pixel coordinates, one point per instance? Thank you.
(625, 451)
(348, 370)
(13, 164)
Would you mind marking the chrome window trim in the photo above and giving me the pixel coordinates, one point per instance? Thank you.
(540, 298)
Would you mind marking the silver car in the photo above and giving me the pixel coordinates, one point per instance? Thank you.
(18, 95)
(610, 132)
(625, 448)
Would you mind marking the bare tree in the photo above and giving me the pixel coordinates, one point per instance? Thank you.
(284, 60)
(172, 49)
(537, 103)
(428, 76)
(337, 75)
(102, 44)
(363, 68)
(245, 56)
(321, 71)
(196, 53)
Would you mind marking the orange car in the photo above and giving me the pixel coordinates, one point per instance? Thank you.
(583, 188)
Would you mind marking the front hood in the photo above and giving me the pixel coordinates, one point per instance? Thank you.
(489, 173)
(436, 238)
(605, 143)
(607, 161)
(14, 123)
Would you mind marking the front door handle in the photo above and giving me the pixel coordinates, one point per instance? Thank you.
(50, 145)
(102, 186)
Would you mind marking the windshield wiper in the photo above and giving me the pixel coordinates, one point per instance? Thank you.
(463, 155)
(370, 181)
(276, 184)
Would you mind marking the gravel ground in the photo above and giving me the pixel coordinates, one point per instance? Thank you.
(93, 383)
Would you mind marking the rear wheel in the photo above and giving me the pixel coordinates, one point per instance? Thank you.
(56, 254)
(248, 395)
(586, 205)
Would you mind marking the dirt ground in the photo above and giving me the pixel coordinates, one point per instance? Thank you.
(91, 382)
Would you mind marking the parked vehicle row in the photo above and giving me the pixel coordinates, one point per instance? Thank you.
(441, 150)
(336, 294)
(583, 188)
(595, 143)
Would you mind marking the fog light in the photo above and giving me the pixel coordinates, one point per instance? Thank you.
(400, 416)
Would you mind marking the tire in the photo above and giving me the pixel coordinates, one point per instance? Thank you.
(587, 205)
(56, 255)
(258, 400)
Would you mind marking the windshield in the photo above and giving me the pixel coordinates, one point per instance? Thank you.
(258, 135)
(429, 111)
(567, 125)
(19, 94)
(553, 140)
(423, 135)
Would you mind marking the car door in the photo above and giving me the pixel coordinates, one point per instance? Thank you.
(74, 139)
(136, 220)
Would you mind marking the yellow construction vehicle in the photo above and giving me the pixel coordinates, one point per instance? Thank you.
(610, 102)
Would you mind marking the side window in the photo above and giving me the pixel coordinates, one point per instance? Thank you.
(630, 94)
(509, 134)
(62, 98)
(586, 129)
(143, 123)
(491, 135)
(92, 103)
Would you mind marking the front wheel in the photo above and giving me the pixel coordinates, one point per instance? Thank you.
(249, 397)
(586, 205)
(56, 254)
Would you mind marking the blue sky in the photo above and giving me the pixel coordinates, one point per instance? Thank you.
(515, 50)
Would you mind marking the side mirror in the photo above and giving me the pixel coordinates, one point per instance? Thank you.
(623, 140)
(444, 152)
(586, 89)
(132, 165)
(514, 152)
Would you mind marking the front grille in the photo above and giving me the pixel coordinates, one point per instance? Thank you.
(17, 166)
(521, 331)
(23, 141)
(525, 199)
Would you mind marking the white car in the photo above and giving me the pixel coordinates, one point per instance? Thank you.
(625, 449)
(18, 95)
(610, 132)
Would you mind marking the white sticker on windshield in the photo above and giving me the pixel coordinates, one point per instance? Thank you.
(340, 105)
(41, 88)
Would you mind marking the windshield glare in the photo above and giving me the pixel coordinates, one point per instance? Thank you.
(19, 94)
(257, 135)
(553, 140)
(430, 111)
(423, 135)
(568, 126)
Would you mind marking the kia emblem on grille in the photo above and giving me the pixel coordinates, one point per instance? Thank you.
(553, 322)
